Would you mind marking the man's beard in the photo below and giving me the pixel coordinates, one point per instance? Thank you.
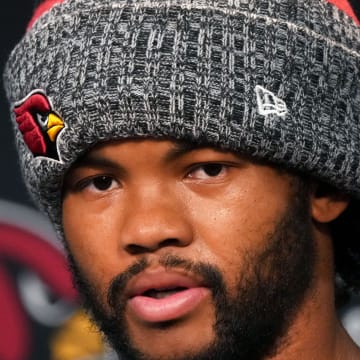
(250, 325)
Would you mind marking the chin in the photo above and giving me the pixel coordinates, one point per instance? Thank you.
(179, 339)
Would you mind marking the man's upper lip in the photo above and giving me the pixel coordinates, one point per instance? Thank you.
(160, 280)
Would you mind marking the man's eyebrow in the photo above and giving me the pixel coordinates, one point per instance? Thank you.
(182, 148)
(95, 161)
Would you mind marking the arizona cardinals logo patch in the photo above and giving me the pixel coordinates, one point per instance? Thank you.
(39, 124)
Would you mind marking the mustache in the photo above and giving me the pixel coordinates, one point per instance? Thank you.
(210, 275)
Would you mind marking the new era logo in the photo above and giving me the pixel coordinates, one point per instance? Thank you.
(268, 103)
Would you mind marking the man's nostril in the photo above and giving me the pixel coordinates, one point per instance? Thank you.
(169, 242)
(136, 249)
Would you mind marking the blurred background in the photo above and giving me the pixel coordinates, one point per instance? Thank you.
(40, 318)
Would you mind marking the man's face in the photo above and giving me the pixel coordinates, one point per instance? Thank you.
(187, 253)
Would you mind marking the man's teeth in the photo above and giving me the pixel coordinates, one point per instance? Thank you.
(160, 294)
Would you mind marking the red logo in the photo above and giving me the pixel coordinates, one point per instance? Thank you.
(39, 124)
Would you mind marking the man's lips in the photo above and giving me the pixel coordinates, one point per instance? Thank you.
(164, 296)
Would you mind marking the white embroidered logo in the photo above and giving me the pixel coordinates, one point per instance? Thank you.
(268, 103)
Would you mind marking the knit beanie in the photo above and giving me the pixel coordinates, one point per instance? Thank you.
(275, 79)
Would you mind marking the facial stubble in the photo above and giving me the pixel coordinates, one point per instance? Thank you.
(251, 325)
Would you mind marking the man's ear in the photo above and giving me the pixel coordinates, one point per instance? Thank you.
(327, 203)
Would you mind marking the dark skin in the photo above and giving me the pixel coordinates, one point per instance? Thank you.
(126, 200)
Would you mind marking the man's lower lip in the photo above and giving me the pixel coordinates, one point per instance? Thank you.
(169, 308)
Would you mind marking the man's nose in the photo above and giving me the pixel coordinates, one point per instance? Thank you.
(155, 218)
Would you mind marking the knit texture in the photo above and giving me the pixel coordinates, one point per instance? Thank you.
(189, 69)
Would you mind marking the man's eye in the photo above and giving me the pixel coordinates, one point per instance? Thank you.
(212, 169)
(92, 184)
(206, 171)
(101, 183)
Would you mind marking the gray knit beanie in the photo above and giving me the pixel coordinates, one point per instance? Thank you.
(276, 79)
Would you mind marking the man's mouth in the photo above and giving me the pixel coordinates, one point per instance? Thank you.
(162, 293)
(163, 296)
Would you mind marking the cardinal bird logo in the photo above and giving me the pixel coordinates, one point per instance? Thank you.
(39, 124)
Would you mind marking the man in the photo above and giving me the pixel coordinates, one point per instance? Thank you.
(200, 161)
